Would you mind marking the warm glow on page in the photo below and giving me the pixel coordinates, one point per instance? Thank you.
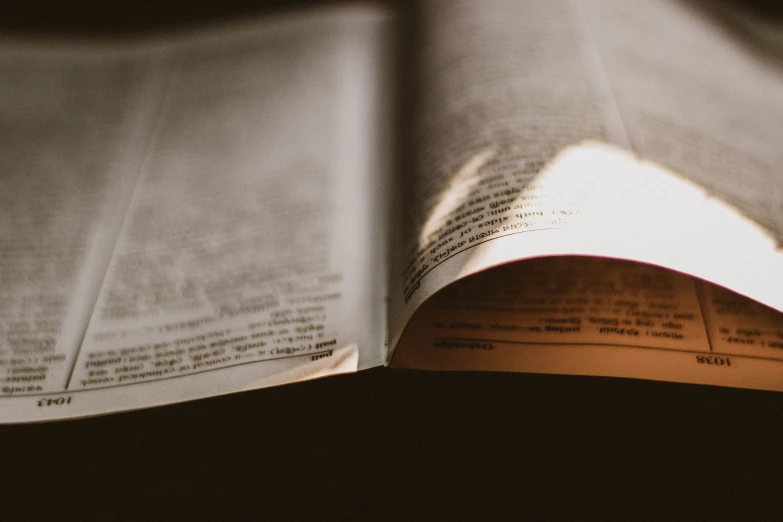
(632, 209)
(458, 190)
(575, 307)
(595, 316)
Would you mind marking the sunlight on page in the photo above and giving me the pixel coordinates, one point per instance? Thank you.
(455, 194)
(594, 199)
(609, 203)
(600, 315)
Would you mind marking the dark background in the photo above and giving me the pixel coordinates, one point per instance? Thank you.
(393, 444)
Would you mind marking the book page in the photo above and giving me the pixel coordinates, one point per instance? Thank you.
(246, 257)
(530, 143)
(74, 121)
(502, 88)
(593, 316)
(701, 101)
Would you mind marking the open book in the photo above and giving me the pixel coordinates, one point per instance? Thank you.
(201, 213)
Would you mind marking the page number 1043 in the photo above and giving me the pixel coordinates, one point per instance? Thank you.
(59, 401)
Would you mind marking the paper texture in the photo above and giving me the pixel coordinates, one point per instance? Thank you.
(580, 129)
(241, 223)
(530, 145)
(593, 316)
(207, 212)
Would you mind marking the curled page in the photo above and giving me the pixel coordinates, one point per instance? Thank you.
(597, 316)
(637, 132)
(547, 128)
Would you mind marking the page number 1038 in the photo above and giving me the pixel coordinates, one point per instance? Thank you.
(713, 360)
